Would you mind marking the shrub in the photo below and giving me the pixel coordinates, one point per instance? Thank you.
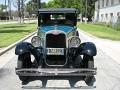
(104, 24)
(117, 24)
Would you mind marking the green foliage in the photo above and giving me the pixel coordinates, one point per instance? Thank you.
(117, 25)
(32, 7)
(2, 7)
(2, 13)
(100, 31)
(103, 24)
(64, 4)
(80, 5)
(90, 9)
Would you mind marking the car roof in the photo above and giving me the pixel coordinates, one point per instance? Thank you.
(57, 10)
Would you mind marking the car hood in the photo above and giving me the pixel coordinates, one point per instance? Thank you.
(65, 29)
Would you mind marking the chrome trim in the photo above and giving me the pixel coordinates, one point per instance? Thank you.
(65, 48)
(56, 72)
(67, 45)
(72, 37)
(55, 49)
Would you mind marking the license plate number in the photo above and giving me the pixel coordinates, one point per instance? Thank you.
(55, 51)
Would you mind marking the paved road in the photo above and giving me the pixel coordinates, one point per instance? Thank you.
(108, 76)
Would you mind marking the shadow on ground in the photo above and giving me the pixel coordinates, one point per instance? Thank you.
(19, 26)
(13, 31)
(4, 72)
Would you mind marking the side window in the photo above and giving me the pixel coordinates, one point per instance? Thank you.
(72, 18)
(57, 17)
(45, 18)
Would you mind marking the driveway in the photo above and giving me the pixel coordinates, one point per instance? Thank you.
(107, 78)
(111, 48)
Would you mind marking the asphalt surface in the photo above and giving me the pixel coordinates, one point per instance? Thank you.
(107, 78)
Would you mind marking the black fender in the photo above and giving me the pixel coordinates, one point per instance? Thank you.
(23, 47)
(88, 48)
(37, 52)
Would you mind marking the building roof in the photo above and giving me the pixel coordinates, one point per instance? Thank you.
(57, 10)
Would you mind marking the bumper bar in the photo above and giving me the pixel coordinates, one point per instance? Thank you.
(55, 72)
(39, 87)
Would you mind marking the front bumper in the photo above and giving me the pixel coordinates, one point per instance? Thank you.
(55, 72)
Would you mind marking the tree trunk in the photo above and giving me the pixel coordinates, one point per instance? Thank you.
(89, 18)
(22, 10)
(19, 11)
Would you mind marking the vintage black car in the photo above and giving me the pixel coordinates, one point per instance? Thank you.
(57, 50)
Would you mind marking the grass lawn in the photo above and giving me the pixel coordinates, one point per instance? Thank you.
(10, 33)
(100, 31)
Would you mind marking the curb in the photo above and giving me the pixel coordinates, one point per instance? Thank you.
(88, 34)
(14, 44)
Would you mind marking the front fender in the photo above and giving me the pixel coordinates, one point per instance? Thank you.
(23, 47)
(88, 48)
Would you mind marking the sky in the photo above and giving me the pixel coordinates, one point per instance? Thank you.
(13, 8)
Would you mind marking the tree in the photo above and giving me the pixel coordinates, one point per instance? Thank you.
(20, 5)
(80, 5)
(2, 7)
(3, 11)
(64, 4)
(32, 6)
(90, 8)
(9, 7)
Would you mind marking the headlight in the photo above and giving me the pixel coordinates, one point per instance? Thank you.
(36, 41)
(74, 42)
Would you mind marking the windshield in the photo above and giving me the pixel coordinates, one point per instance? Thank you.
(58, 19)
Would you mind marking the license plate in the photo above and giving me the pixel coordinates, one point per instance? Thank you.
(55, 51)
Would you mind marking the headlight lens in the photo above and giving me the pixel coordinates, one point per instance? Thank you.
(36, 41)
(74, 42)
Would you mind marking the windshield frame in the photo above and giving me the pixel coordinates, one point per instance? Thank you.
(69, 19)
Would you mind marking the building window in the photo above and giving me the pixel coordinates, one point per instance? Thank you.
(112, 2)
(106, 16)
(118, 14)
(111, 17)
(107, 1)
(111, 14)
(102, 3)
(101, 17)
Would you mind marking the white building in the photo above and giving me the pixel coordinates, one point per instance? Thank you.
(107, 11)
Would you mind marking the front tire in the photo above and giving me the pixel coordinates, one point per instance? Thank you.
(88, 62)
(78, 62)
(24, 61)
